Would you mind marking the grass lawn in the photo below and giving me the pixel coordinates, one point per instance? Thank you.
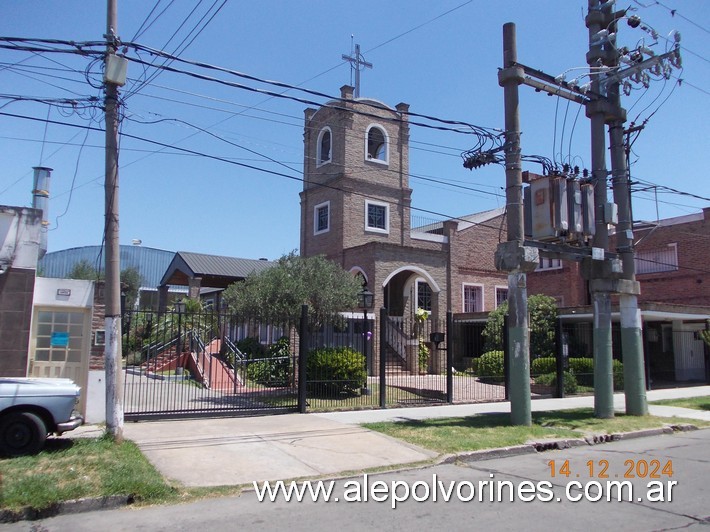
(696, 403)
(489, 431)
(83, 467)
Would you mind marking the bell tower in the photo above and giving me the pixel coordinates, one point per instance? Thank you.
(356, 176)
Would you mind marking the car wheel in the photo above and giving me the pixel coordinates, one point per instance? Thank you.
(21, 433)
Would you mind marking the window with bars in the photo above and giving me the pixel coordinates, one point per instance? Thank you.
(657, 260)
(549, 264)
(472, 298)
(501, 296)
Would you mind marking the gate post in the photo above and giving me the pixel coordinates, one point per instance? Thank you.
(449, 357)
(506, 363)
(302, 355)
(560, 359)
(383, 353)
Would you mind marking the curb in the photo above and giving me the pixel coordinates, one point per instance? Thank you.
(67, 507)
(555, 445)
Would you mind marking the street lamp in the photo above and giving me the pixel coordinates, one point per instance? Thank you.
(366, 300)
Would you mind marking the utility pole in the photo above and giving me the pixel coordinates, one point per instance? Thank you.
(512, 256)
(599, 272)
(112, 351)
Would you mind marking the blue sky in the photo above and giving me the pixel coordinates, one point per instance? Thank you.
(440, 57)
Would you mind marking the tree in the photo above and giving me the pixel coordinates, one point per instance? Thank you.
(276, 294)
(130, 279)
(86, 271)
(543, 314)
(130, 285)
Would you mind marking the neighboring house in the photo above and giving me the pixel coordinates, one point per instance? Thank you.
(356, 210)
(151, 263)
(198, 272)
(20, 234)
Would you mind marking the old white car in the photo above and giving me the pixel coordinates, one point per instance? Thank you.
(32, 408)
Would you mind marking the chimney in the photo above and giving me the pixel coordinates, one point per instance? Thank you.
(40, 200)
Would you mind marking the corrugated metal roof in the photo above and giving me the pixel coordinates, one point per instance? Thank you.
(150, 262)
(204, 265)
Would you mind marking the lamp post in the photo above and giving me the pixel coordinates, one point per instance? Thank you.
(366, 301)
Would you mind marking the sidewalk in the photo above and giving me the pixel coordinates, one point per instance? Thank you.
(231, 451)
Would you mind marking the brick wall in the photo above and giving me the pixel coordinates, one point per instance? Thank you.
(473, 262)
(16, 295)
(690, 283)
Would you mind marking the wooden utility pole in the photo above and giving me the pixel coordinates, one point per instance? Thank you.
(112, 350)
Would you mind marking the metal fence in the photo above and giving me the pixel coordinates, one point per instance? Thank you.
(202, 363)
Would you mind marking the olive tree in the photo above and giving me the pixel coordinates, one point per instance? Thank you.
(277, 293)
(543, 314)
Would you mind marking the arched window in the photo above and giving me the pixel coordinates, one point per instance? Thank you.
(324, 147)
(376, 144)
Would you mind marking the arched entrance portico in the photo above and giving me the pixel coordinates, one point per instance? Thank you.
(408, 288)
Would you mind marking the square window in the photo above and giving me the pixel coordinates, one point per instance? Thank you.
(377, 217)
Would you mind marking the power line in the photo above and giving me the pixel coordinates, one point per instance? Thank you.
(236, 163)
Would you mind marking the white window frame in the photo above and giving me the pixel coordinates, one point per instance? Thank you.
(387, 145)
(368, 228)
(421, 281)
(651, 261)
(498, 288)
(320, 161)
(317, 231)
(479, 288)
(547, 265)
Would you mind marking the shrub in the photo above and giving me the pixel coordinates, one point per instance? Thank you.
(490, 365)
(617, 368)
(583, 369)
(550, 379)
(251, 347)
(543, 365)
(269, 371)
(335, 371)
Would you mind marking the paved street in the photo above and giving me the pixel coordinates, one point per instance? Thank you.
(687, 453)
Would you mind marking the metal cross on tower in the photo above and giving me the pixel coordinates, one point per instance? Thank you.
(357, 63)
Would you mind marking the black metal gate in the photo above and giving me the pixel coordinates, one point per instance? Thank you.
(202, 363)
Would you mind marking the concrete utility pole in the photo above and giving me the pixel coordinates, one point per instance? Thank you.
(512, 256)
(627, 286)
(599, 270)
(112, 351)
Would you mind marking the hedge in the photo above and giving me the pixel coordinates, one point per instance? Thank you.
(490, 366)
(335, 371)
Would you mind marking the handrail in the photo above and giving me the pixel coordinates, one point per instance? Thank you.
(397, 338)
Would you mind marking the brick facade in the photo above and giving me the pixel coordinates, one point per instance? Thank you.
(689, 283)
(16, 295)
(98, 316)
